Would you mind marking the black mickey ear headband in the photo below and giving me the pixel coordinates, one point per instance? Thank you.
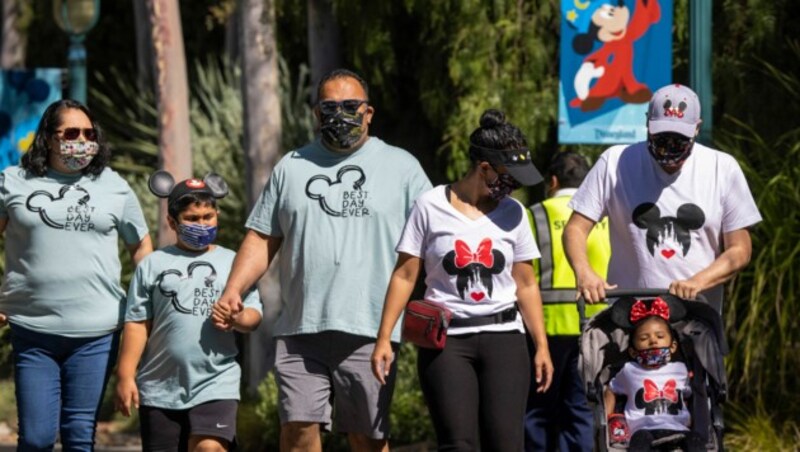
(626, 312)
(163, 185)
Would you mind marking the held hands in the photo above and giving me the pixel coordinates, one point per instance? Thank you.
(382, 358)
(127, 395)
(225, 311)
(3, 320)
(543, 369)
(591, 286)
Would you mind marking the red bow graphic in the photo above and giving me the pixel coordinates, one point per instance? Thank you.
(659, 308)
(651, 391)
(465, 256)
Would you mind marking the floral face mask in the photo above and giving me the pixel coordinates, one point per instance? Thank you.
(77, 155)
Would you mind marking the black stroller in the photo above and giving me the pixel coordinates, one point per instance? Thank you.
(702, 346)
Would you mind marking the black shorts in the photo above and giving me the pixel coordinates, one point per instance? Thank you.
(165, 430)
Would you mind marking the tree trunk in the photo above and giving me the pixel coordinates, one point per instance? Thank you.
(262, 145)
(14, 40)
(324, 54)
(232, 33)
(169, 63)
(144, 46)
(260, 94)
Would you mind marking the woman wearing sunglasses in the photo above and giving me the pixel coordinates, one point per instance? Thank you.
(477, 248)
(63, 211)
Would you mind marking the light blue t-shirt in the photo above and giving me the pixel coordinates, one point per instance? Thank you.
(186, 361)
(340, 216)
(62, 251)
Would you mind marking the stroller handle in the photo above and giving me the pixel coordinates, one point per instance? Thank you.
(618, 293)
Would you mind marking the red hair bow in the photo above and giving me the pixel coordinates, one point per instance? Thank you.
(651, 391)
(659, 308)
(483, 256)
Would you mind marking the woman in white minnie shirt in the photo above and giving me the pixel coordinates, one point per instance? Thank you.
(477, 247)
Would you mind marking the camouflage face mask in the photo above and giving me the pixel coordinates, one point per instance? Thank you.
(341, 130)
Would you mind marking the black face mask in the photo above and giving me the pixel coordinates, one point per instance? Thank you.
(669, 149)
(502, 186)
(341, 130)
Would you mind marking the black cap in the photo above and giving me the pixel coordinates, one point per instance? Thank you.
(163, 185)
(517, 161)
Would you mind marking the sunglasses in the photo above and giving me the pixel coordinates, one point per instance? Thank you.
(72, 133)
(349, 106)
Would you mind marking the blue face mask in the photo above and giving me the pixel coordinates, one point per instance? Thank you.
(197, 236)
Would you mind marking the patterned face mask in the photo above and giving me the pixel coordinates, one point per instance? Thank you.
(653, 358)
(197, 236)
(502, 186)
(669, 149)
(77, 155)
(341, 130)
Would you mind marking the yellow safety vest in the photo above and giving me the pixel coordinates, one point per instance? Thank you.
(555, 276)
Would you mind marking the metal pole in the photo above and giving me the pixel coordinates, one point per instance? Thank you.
(76, 60)
(700, 16)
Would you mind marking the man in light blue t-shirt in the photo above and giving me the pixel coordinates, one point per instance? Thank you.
(336, 207)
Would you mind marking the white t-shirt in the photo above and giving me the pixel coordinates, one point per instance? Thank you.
(468, 262)
(665, 227)
(656, 397)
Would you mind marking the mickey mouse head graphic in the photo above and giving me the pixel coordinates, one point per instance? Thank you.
(169, 286)
(329, 193)
(41, 200)
(664, 231)
(673, 110)
(474, 270)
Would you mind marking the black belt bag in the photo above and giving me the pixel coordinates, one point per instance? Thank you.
(509, 315)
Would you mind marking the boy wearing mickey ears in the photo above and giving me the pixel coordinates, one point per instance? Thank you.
(656, 387)
(187, 383)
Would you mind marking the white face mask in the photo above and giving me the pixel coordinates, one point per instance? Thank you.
(77, 155)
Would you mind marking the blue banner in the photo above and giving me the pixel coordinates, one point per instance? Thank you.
(24, 95)
(614, 55)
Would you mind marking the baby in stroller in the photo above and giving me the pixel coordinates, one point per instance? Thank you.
(656, 386)
(652, 366)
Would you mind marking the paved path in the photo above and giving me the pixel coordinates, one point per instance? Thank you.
(13, 448)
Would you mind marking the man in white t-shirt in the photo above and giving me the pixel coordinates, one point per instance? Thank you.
(678, 211)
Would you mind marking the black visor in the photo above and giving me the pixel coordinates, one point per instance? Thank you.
(517, 161)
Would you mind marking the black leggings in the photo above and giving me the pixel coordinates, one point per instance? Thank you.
(477, 387)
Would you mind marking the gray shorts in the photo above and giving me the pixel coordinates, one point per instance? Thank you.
(321, 373)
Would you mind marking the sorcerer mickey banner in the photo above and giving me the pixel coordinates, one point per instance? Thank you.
(614, 55)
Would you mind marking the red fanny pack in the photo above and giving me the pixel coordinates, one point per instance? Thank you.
(425, 323)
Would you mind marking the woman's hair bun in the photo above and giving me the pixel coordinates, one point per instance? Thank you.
(492, 118)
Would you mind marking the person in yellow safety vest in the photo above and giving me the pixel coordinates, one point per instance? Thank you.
(560, 419)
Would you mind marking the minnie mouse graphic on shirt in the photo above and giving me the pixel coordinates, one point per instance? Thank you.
(474, 269)
(659, 400)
